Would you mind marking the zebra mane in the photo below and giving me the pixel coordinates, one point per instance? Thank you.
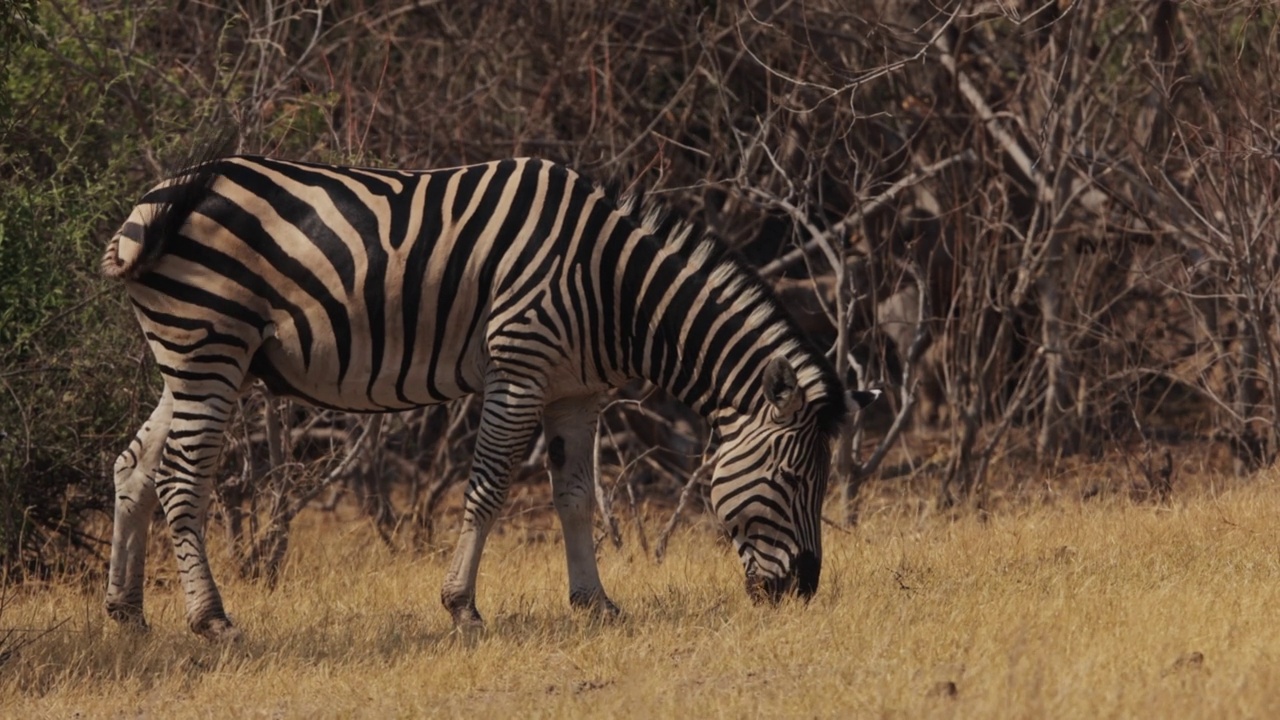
(721, 266)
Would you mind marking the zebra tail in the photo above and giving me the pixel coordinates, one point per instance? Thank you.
(112, 265)
(183, 193)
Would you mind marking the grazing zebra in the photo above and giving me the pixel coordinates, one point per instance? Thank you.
(380, 290)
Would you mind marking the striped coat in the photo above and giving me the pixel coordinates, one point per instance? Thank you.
(380, 290)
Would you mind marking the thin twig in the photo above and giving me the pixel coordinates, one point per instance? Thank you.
(817, 239)
(697, 476)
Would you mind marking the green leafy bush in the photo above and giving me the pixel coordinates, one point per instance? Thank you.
(67, 157)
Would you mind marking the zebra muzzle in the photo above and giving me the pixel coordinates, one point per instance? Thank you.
(768, 589)
(802, 581)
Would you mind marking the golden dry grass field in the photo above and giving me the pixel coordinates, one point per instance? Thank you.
(1056, 609)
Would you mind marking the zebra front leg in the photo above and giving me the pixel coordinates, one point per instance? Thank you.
(135, 503)
(184, 484)
(570, 426)
(508, 420)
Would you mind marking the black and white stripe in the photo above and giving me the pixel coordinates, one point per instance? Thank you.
(379, 290)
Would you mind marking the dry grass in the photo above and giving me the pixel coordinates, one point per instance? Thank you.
(1057, 610)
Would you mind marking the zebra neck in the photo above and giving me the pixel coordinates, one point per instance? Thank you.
(677, 310)
(700, 328)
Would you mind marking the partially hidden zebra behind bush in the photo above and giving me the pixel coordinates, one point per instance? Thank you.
(379, 290)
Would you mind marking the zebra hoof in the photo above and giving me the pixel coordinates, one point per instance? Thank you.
(128, 616)
(464, 613)
(597, 603)
(218, 630)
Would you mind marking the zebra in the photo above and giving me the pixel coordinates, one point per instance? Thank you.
(380, 290)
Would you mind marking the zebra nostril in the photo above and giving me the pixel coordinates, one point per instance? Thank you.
(806, 570)
(768, 590)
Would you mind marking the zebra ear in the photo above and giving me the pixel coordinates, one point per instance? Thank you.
(859, 399)
(782, 388)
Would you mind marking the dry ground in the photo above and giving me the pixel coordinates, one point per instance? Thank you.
(1057, 609)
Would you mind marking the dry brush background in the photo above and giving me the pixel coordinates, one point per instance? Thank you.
(1048, 229)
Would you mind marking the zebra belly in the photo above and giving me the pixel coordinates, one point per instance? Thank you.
(365, 378)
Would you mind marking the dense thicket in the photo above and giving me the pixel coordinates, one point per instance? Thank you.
(1048, 228)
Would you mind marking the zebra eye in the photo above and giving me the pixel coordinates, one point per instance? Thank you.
(791, 479)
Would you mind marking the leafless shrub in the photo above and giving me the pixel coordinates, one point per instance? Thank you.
(1047, 228)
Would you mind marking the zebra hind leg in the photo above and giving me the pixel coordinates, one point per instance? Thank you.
(136, 500)
(571, 432)
(184, 484)
(509, 418)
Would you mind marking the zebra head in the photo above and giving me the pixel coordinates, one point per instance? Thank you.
(770, 479)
